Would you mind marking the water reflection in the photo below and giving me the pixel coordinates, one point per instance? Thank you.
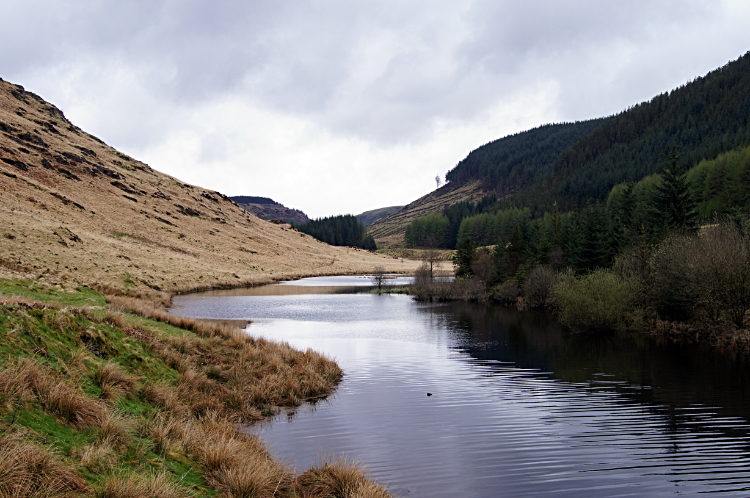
(519, 407)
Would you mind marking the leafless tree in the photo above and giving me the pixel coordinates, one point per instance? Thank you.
(432, 256)
(378, 277)
(438, 181)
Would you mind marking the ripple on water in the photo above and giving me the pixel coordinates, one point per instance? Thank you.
(515, 411)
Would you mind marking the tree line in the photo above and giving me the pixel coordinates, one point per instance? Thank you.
(341, 230)
(613, 263)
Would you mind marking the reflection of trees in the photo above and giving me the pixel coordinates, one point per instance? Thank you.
(663, 376)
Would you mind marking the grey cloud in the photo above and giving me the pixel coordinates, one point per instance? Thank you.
(385, 72)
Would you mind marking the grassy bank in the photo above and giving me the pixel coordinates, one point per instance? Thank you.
(112, 396)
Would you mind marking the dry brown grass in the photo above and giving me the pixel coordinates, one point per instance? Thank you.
(113, 381)
(70, 405)
(130, 220)
(226, 371)
(135, 486)
(389, 230)
(27, 469)
(115, 430)
(58, 397)
(98, 457)
(338, 479)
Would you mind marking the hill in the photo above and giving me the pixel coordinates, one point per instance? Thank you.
(268, 209)
(573, 164)
(76, 211)
(389, 230)
(370, 217)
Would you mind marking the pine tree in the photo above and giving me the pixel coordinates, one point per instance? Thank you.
(674, 207)
(464, 258)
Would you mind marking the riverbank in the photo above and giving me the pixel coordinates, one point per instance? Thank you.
(111, 395)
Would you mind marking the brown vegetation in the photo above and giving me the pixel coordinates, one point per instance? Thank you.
(31, 470)
(76, 211)
(225, 376)
(390, 229)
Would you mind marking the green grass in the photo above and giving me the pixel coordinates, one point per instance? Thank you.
(33, 291)
(52, 337)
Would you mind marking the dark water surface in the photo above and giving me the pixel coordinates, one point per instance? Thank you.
(519, 407)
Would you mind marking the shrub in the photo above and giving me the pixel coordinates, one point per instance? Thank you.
(599, 300)
(538, 286)
(507, 293)
(671, 278)
(708, 273)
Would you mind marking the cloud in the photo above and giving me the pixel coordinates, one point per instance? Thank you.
(337, 94)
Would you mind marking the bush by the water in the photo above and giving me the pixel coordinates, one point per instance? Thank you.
(538, 286)
(600, 300)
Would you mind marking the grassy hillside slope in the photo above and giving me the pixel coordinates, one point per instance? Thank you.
(370, 217)
(74, 209)
(389, 230)
(112, 403)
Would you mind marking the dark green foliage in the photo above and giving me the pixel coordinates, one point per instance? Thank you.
(707, 116)
(428, 231)
(519, 160)
(465, 255)
(722, 186)
(573, 164)
(342, 230)
(443, 230)
(493, 228)
(673, 205)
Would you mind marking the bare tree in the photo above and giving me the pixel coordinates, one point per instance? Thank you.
(378, 277)
(432, 256)
(438, 181)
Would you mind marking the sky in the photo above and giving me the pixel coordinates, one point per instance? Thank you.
(336, 106)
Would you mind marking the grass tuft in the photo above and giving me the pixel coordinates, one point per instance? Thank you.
(113, 381)
(27, 469)
(135, 486)
(339, 479)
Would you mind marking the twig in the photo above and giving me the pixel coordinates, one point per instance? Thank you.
(277, 487)
(183, 477)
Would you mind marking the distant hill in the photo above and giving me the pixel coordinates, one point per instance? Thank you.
(390, 229)
(268, 209)
(370, 217)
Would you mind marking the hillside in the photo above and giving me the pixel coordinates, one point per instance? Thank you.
(268, 209)
(370, 217)
(705, 117)
(389, 230)
(573, 164)
(75, 210)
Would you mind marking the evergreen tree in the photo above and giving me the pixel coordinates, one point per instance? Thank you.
(674, 207)
(464, 258)
(499, 257)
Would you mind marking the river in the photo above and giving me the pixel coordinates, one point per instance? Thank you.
(461, 399)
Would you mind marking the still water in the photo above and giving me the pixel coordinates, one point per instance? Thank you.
(518, 406)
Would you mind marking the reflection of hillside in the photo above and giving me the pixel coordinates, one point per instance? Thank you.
(632, 364)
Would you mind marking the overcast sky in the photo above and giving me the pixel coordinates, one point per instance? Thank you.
(340, 106)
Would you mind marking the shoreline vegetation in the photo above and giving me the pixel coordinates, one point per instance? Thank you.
(107, 394)
(690, 285)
